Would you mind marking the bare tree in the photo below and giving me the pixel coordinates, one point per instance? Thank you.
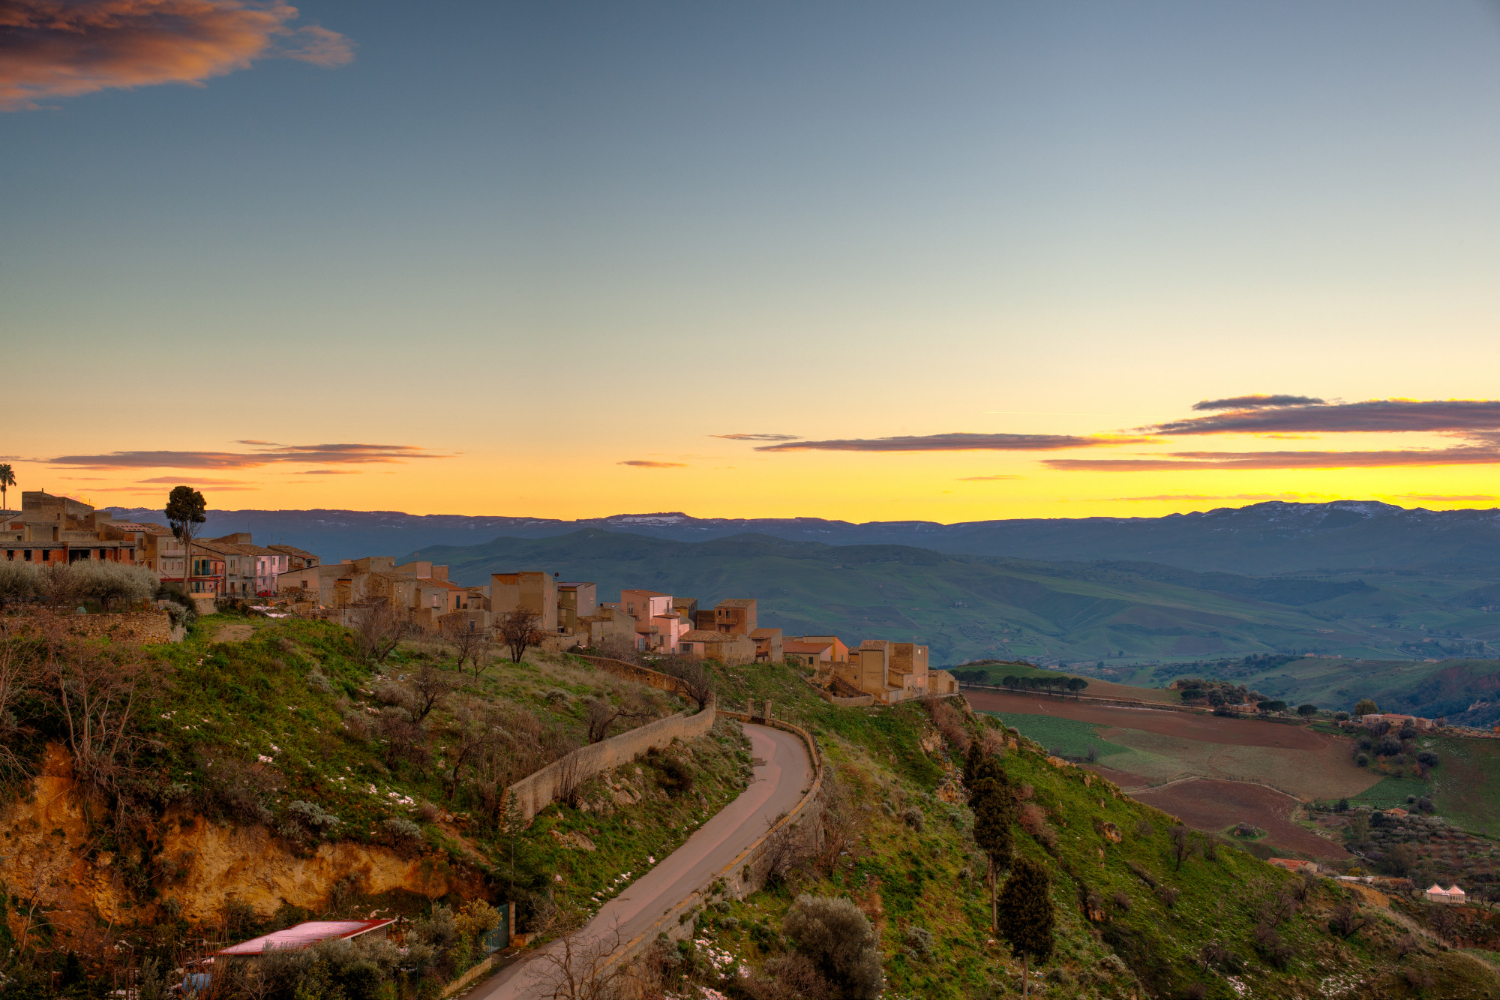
(18, 681)
(518, 630)
(695, 678)
(470, 642)
(429, 687)
(575, 968)
(601, 715)
(98, 692)
(1181, 845)
(404, 739)
(378, 628)
(570, 779)
(787, 850)
(472, 735)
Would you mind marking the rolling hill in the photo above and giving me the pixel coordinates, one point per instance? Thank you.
(966, 607)
(1260, 539)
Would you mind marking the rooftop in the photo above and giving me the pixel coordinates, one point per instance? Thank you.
(737, 602)
(304, 935)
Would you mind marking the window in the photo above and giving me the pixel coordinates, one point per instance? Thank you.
(28, 556)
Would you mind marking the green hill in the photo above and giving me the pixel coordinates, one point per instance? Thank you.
(969, 607)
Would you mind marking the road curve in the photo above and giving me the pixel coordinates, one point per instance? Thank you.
(777, 786)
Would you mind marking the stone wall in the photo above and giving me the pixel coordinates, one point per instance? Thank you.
(640, 675)
(145, 627)
(537, 791)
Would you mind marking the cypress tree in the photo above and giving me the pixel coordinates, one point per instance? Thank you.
(994, 812)
(971, 766)
(1028, 916)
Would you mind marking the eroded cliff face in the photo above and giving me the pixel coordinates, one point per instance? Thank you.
(50, 864)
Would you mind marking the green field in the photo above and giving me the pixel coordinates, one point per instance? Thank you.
(1073, 738)
(1389, 792)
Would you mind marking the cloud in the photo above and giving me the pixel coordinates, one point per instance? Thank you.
(756, 437)
(1252, 402)
(195, 481)
(957, 442)
(326, 472)
(1448, 416)
(986, 479)
(1178, 461)
(304, 454)
(641, 463)
(54, 48)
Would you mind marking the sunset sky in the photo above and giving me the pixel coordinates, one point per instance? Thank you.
(863, 261)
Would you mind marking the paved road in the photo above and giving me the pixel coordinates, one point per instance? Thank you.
(775, 789)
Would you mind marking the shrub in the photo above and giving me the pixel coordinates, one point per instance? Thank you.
(1122, 901)
(110, 583)
(312, 815)
(318, 682)
(1428, 759)
(919, 943)
(1340, 716)
(1167, 895)
(837, 939)
(1361, 759)
(1143, 828)
(1307, 710)
(1425, 805)
(914, 818)
(240, 790)
(402, 829)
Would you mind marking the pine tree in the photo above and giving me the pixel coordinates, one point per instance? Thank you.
(1028, 916)
(994, 812)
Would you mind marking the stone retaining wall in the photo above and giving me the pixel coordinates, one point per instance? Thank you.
(145, 627)
(537, 791)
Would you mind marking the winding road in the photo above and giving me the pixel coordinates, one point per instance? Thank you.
(782, 773)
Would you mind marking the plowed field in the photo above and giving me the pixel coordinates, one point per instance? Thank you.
(1213, 806)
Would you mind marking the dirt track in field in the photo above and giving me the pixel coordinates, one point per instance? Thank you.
(1213, 806)
(1185, 725)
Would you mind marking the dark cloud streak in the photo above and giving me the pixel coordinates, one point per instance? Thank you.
(956, 442)
(1446, 416)
(306, 454)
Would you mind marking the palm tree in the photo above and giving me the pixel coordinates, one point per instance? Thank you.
(7, 479)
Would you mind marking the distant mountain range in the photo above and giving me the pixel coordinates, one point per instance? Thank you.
(1117, 615)
(1261, 539)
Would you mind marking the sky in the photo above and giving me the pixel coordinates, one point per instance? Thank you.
(863, 261)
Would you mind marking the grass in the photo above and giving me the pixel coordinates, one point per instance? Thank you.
(1071, 737)
(1390, 792)
(275, 703)
(1466, 785)
(932, 878)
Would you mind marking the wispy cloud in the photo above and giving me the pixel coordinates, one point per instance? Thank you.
(641, 463)
(1451, 416)
(195, 481)
(1252, 402)
(957, 442)
(756, 437)
(1181, 460)
(986, 479)
(52, 48)
(305, 454)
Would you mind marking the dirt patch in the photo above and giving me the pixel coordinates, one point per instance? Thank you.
(1122, 778)
(1186, 725)
(235, 632)
(1211, 806)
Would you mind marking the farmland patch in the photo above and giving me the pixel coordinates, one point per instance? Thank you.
(1211, 806)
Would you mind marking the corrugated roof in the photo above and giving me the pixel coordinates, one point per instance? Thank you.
(303, 935)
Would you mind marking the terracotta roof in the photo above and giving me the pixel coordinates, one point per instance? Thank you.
(798, 646)
(764, 633)
(291, 550)
(737, 602)
(709, 635)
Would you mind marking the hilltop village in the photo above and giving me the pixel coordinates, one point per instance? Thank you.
(564, 615)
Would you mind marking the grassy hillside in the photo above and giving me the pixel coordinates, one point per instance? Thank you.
(905, 857)
(1114, 614)
(266, 746)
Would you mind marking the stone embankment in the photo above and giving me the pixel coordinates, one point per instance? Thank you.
(562, 777)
